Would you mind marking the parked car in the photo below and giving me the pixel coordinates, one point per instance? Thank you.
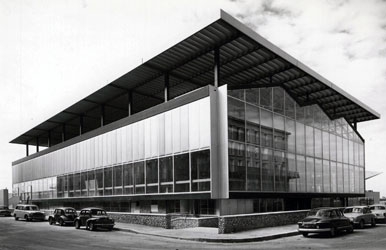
(63, 216)
(4, 211)
(93, 218)
(379, 210)
(28, 212)
(325, 220)
(360, 216)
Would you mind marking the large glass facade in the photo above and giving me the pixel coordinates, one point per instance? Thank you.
(275, 145)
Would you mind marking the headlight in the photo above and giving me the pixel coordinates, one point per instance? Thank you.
(317, 226)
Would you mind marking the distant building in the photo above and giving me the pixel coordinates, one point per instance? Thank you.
(223, 122)
(4, 197)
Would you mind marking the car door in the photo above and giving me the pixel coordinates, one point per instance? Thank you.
(367, 215)
(84, 217)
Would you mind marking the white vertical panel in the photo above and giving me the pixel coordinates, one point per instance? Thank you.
(168, 133)
(141, 140)
(204, 122)
(106, 152)
(124, 144)
(135, 143)
(194, 126)
(129, 142)
(161, 134)
(119, 145)
(113, 147)
(184, 126)
(92, 159)
(176, 133)
(147, 135)
(154, 129)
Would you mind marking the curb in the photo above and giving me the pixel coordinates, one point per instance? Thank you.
(240, 240)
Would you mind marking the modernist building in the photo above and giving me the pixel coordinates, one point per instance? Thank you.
(223, 122)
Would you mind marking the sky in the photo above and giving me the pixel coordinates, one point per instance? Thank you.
(54, 53)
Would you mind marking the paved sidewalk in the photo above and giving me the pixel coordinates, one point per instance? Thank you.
(208, 234)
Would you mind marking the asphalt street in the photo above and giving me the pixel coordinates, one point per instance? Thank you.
(22, 235)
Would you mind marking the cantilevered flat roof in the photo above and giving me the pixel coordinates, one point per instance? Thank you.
(247, 60)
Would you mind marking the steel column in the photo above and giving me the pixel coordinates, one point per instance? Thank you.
(166, 87)
(63, 132)
(37, 143)
(216, 67)
(27, 149)
(129, 102)
(49, 139)
(102, 115)
(80, 124)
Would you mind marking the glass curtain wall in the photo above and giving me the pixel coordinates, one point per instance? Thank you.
(275, 145)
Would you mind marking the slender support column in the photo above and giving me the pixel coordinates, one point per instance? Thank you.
(216, 67)
(81, 125)
(49, 144)
(129, 102)
(37, 144)
(63, 132)
(355, 125)
(27, 149)
(102, 115)
(166, 89)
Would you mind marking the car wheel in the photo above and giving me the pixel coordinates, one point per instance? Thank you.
(77, 224)
(373, 223)
(350, 230)
(61, 222)
(91, 226)
(305, 234)
(26, 218)
(16, 218)
(333, 232)
(50, 221)
(361, 224)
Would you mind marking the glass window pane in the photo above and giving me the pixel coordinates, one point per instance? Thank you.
(309, 141)
(139, 177)
(237, 172)
(318, 176)
(266, 128)
(237, 93)
(339, 177)
(200, 165)
(318, 143)
(128, 177)
(289, 106)
(300, 138)
(333, 177)
(278, 100)
(118, 180)
(236, 116)
(290, 133)
(309, 115)
(108, 181)
(300, 114)
(346, 178)
(301, 168)
(267, 169)
(252, 96)
(279, 133)
(181, 167)
(351, 178)
(166, 169)
(253, 124)
(253, 168)
(266, 98)
(326, 145)
(293, 175)
(99, 182)
(280, 171)
(310, 170)
(152, 171)
(345, 150)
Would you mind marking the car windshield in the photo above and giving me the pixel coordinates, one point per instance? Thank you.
(348, 210)
(98, 212)
(319, 213)
(32, 208)
(357, 210)
(70, 211)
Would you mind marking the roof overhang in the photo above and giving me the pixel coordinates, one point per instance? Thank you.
(247, 60)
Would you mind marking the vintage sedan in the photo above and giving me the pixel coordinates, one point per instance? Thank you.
(379, 210)
(28, 212)
(63, 216)
(360, 216)
(4, 211)
(93, 218)
(325, 220)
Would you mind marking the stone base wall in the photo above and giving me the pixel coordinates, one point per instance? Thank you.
(237, 223)
(188, 222)
(154, 220)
